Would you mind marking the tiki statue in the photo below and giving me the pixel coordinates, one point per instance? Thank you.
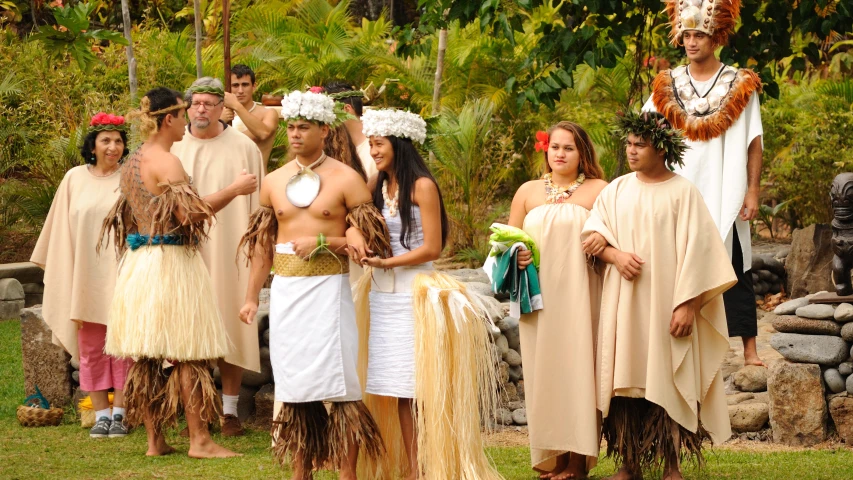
(841, 195)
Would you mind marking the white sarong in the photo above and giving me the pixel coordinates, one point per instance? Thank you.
(391, 347)
(313, 338)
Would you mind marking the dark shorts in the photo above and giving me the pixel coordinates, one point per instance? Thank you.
(740, 299)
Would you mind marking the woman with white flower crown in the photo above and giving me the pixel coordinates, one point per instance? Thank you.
(429, 353)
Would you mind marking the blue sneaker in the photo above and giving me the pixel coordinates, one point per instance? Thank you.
(118, 428)
(101, 428)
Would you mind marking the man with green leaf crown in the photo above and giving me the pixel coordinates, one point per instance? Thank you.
(312, 211)
(716, 105)
(662, 330)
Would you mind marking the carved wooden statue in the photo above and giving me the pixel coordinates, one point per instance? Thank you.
(841, 195)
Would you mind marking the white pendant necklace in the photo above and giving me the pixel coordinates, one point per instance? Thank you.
(303, 188)
(390, 202)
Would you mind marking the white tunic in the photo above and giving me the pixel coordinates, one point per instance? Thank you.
(391, 347)
(718, 169)
(313, 338)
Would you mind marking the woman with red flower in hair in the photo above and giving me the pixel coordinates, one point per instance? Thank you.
(558, 340)
(79, 282)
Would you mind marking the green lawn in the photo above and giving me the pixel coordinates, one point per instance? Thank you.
(67, 451)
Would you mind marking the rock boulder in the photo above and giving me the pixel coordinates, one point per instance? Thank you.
(797, 404)
(810, 262)
(822, 349)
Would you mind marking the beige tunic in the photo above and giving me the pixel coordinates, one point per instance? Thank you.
(78, 282)
(668, 225)
(213, 164)
(558, 342)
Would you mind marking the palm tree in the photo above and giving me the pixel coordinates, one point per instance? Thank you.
(472, 157)
(297, 43)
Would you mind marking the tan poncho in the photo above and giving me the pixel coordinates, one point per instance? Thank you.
(78, 282)
(559, 341)
(668, 225)
(213, 165)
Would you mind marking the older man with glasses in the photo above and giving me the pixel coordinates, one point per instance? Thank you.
(214, 153)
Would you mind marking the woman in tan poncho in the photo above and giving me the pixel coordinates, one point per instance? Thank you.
(162, 309)
(78, 282)
(559, 340)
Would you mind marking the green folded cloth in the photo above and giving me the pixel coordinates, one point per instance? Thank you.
(522, 285)
(504, 236)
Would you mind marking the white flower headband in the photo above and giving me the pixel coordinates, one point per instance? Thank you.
(394, 123)
(310, 106)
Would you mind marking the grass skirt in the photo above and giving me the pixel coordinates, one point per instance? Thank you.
(639, 435)
(323, 439)
(456, 383)
(164, 308)
(156, 391)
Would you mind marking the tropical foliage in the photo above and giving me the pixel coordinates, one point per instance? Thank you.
(511, 68)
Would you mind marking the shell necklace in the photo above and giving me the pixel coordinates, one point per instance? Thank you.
(303, 188)
(557, 194)
(390, 202)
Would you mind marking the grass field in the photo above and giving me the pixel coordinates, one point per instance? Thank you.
(68, 452)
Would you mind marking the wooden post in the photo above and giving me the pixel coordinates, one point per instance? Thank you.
(131, 60)
(198, 35)
(226, 38)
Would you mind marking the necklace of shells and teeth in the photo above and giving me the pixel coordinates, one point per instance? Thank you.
(390, 202)
(702, 105)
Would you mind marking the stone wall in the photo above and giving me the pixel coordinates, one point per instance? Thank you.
(815, 378)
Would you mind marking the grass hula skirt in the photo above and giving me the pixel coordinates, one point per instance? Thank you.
(163, 307)
(456, 383)
(639, 434)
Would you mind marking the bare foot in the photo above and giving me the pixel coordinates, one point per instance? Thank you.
(625, 474)
(753, 361)
(576, 469)
(210, 449)
(159, 450)
(562, 463)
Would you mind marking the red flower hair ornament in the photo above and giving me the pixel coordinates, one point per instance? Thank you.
(542, 141)
(107, 121)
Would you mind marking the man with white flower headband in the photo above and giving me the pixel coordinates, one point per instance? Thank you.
(213, 153)
(716, 105)
(312, 210)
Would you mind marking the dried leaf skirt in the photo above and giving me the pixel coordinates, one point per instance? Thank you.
(163, 307)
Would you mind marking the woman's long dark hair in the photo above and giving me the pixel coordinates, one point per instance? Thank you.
(409, 166)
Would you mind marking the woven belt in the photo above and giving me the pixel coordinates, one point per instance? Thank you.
(288, 265)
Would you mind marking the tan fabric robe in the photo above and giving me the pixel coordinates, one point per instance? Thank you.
(668, 225)
(213, 164)
(559, 341)
(78, 283)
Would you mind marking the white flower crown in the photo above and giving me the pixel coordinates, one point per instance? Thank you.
(311, 106)
(396, 123)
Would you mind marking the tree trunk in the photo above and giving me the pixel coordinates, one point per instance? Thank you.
(197, 20)
(439, 71)
(436, 87)
(131, 59)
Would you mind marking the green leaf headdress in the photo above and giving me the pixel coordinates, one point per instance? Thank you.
(657, 130)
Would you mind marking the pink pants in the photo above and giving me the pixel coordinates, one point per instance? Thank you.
(99, 371)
